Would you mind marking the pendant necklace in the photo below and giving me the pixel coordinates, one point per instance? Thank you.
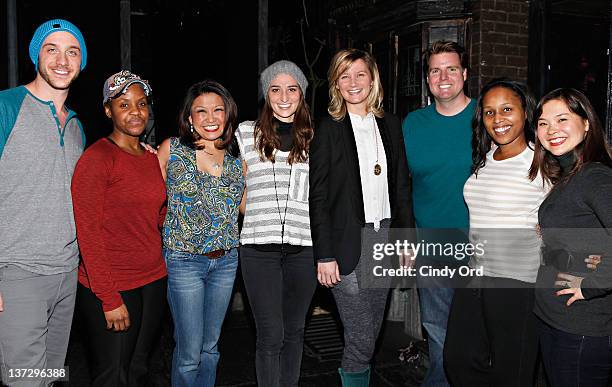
(377, 167)
(282, 219)
(215, 164)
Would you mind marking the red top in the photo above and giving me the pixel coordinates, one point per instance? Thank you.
(118, 201)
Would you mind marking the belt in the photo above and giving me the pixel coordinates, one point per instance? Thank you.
(215, 254)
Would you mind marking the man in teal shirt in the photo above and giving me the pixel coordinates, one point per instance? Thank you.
(438, 147)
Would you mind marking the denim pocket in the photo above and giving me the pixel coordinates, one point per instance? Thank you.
(232, 253)
(173, 255)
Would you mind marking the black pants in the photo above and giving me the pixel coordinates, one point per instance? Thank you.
(572, 360)
(120, 359)
(491, 338)
(279, 289)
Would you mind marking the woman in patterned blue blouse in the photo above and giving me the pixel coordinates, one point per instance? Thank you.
(205, 186)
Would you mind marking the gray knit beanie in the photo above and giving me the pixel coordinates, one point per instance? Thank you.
(282, 67)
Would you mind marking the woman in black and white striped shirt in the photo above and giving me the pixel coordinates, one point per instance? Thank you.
(276, 254)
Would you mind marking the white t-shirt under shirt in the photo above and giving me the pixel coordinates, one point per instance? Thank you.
(503, 208)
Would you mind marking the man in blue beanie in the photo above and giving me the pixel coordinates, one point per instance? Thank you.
(40, 143)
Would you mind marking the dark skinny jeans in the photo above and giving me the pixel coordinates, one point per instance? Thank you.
(280, 289)
(572, 360)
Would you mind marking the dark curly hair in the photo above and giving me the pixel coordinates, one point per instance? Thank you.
(481, 141)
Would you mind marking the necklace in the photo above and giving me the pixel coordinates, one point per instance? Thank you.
(377, 167)
(215, 164)
(282, 219)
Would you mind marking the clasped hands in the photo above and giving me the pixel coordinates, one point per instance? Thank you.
(118, 319)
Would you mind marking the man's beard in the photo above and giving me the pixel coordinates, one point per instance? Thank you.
(54, 84)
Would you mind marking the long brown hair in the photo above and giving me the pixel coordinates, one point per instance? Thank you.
(267, 138)
(593, 149)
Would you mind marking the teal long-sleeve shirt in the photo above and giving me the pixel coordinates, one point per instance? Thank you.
(439, 153)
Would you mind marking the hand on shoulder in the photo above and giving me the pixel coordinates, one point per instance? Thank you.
(164, 146)
(149, 148)
(163, 155)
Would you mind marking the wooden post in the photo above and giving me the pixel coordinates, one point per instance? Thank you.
(262, 35)
(608, 122)
(537, 70)
(11, 40)
(125, 34)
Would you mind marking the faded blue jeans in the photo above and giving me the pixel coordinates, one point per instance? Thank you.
(435, 298)
(199, 292)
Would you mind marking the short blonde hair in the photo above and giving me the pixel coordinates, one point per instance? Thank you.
(342, 61)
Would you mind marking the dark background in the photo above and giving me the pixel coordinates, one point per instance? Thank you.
(175, 43)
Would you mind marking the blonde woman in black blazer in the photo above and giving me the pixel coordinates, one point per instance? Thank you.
(358, 179)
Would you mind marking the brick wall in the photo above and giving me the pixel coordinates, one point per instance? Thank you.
(499, 41)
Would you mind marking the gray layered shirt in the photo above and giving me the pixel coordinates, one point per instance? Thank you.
(37, 160)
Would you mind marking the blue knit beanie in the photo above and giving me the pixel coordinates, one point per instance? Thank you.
(50, 27)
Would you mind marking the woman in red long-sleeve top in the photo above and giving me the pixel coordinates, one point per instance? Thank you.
(118, 196)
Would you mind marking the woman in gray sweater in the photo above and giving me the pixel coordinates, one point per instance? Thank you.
(573, 300)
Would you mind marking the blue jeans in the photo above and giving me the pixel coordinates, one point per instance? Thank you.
(435, 298)
(199, 292)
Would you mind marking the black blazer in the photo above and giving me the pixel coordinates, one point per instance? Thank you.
(335, 197)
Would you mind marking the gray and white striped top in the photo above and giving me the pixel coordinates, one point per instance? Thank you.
(271, 188)
(503, 205)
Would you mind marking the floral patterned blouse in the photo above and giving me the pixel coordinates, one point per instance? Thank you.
(202, 208)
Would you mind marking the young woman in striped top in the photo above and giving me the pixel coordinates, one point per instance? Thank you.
(491, 337)
(276, 253)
